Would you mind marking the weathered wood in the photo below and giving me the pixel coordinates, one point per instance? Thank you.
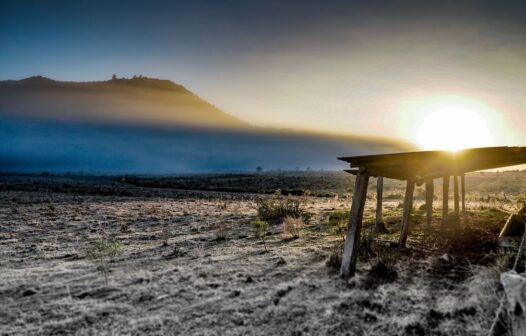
(463, 192)
(352, 171)
(515, 289)
(445, 199)
(379, 196)
(430, 191)
(433, 164)
(456, 195)
(352, 242)
(408, 206)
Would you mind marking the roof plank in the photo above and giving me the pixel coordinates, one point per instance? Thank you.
(433, 164)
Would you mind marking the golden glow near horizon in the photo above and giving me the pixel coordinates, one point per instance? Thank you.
(450, 123)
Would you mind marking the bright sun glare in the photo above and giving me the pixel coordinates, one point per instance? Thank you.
(453, 127)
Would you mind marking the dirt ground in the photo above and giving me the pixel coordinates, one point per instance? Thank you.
(174, 276)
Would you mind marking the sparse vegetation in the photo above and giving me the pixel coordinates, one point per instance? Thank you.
(521, 200)
(482, 291)
(223, 204)
(445, 282)
(337, 222)
(101, 252)
(292, 226)
(276, 206)
(334, 260)
(51, 210)
(260, 228)
(220, 230)
(165, 235)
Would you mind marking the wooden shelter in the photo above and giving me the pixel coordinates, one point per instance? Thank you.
(417, 168)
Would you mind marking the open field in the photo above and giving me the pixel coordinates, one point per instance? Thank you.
(187, 261)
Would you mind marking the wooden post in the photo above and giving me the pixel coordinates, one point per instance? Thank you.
(408, 206)
(379, 195)
(463, 191)
(456, 195)
(514, 288)
(352, 242)
(445, 199)
(429, 201)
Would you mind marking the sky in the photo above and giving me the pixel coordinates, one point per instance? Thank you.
(382, 68)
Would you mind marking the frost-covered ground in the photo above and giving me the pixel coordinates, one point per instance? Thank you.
(175, 277)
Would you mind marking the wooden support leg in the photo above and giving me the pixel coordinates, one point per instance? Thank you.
(429, 201)
(352, 242)
(379, 222)
(445, 199)
(463, 191)
(408, 206)
(456, 196)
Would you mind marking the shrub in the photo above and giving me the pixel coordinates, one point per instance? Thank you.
(277, 207)
(520, 202)
(101, 252)
(337, 222)
(223, 205)
(334, 261)
(220, 227)
(260, 230)
(292, 226)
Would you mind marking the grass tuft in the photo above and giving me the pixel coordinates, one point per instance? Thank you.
(276, 207)
(292, 226)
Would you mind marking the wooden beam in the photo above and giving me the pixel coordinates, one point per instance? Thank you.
(408, 206)
(351, 171)
(456, 195)
(445, 199)
(407, 165)
(463, 189)
(352, 242)
(430, 191)
(379, 196)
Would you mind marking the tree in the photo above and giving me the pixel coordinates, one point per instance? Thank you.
(114, 77)
(259, 169)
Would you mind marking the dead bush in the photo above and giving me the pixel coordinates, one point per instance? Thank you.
(276, 207)
(221, 228)
(292, 226)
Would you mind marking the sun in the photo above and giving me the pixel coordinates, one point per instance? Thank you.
(453, 127)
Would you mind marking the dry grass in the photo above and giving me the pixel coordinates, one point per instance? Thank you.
(482, 291)
(440, 285)
(292, 226)
(276, 207)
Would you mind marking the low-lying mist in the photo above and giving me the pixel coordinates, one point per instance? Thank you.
(29, 145)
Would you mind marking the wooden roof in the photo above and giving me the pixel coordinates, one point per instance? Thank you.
(433, 164)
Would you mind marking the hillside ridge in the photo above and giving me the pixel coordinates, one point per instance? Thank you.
(137, 99)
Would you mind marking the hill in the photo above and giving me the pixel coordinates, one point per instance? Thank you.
(138, 100)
